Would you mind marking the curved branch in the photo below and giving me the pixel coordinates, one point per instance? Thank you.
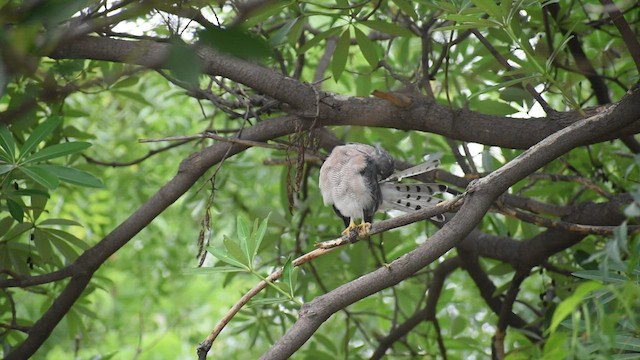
(328, 109)
(84, 267)
(479, 197)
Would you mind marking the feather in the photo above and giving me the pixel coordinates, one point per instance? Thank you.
(411, 197)
(431, 162)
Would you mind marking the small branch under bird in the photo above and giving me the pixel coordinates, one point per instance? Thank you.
(358, 180)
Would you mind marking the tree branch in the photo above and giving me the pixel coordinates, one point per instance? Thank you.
(479, 197)
(329, 109)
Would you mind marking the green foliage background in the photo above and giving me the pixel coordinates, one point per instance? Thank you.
(148, 302)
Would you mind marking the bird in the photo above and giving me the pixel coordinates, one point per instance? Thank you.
(358, 180)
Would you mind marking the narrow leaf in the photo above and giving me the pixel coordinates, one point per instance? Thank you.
(70, 254)
(339, 60)
(367, 47)
(262, 230)
(244, 234)
(63, 222)
(234, 250)
(73, 176)
(568, 305)
(287, 275)
(211, 270)
(16, 210)
(6, 168)
(41, 176)
(126, 82)
(40, 133)
(490, 7)
(317, 39)
(7, 143)
(407, 7)
(57, 150)
(223, 255)
(68, 237)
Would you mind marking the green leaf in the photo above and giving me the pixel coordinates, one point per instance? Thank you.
(490, 7)
(236, 41)
(62, 222)
(599, 275)
(259, 236)
(234, 249)
(57, 150)
(475, 21)
(69, 253)
(407, 8)
(6, 168)
(41, 176)
(223, 255)
(132, 95)
(39, 134)
(43, 245)
(288, 275)
(5, 225)
(627, 343)
(73, 176)
(339, 60)
(244, 235)
(16, 210)
(184, 62)
(17, 230)
(367, 47)
(317, 39)
(387, 28)
(280, 35)
(568, 305)
(268, 301)
(68, 237)
(211, 270)
(7, 143)
(491, 107)
(126, 82)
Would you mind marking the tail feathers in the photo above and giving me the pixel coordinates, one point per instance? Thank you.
(396, 190)
(431, 162)
(411, 197)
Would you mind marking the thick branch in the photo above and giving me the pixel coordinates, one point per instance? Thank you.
(424, 114)
(85, 266)
(478, 199)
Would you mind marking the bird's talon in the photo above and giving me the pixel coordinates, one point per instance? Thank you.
(349, 229)
(363, 229)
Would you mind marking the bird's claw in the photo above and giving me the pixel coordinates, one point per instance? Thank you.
(363, 229)
(352, 226)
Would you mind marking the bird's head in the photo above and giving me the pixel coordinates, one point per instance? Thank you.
(384, 163)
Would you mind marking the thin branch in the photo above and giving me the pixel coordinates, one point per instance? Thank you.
(629, 37)
(562, 225)
(149, 154)
(425, 314)
(503, 61)
(506, 311)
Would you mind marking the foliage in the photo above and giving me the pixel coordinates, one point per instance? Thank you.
(74, 173)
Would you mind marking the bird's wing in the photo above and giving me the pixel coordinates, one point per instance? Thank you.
(411, 197)
(431, 162)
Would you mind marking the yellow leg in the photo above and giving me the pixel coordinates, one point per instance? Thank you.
(349, 228)
(363, 228)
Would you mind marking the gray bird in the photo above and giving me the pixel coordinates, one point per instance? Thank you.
(358, 180)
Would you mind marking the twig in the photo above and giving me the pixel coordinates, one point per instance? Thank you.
(134, 161)
(506, 311)
(562, 225)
